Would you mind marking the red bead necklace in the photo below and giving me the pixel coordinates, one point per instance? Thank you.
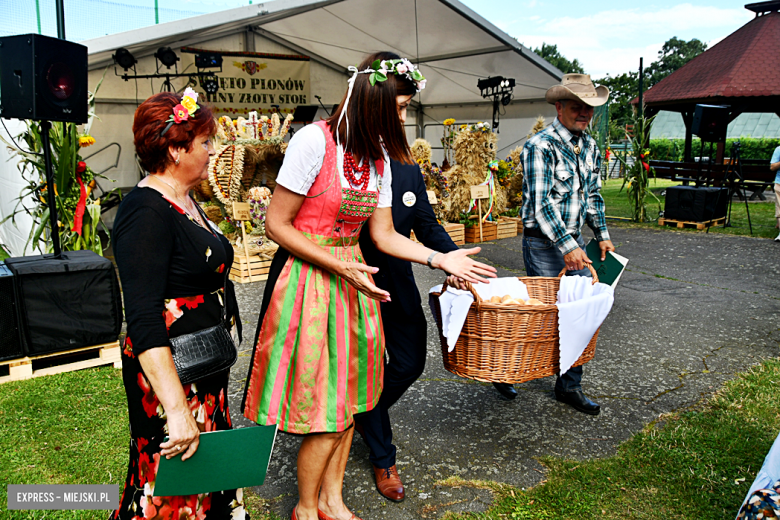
(351, 169)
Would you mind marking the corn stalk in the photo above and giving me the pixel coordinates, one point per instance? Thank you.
(637, 175)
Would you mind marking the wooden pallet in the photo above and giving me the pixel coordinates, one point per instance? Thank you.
(259, 265)
(489, 232)
(59, 362)
(457, 232)
(507, 228)
(698, 225)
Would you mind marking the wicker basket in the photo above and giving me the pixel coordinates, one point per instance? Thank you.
(510, 344)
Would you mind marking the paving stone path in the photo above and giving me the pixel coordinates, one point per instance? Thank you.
(691, 310)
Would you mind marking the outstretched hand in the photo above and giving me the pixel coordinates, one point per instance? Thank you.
(355, 274)
(459, 264)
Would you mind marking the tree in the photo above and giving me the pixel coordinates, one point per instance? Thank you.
(555, 58)
(674, 54)
(623, 88)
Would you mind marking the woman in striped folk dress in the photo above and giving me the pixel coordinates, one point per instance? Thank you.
(318, 353)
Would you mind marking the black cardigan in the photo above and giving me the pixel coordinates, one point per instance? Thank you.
(395, 275)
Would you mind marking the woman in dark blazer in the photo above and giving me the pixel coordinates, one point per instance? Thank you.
(403, 318)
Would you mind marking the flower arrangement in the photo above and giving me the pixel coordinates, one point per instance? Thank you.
(258, 198)
(447, 142)
(502, 171)
(637, 176)
(74, 181)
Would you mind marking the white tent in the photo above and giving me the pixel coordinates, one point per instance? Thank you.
(453, 45)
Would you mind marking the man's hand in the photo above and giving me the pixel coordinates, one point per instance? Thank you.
(605, 245)
(577, 259)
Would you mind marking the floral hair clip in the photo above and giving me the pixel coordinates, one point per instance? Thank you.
(182, 111)
(401, 67)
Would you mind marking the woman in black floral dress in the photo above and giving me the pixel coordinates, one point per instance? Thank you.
(172, 263)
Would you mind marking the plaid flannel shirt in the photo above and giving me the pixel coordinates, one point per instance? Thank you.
(560, 190)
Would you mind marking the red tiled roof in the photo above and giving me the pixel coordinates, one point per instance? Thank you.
(744, 64)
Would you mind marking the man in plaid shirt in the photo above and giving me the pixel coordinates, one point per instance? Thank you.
(561, 191)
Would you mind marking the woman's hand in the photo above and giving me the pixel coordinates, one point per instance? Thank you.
(183, 435)
(459, 264)
(457, 283)
(355, 274)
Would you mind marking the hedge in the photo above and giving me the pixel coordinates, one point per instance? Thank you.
(751, 148)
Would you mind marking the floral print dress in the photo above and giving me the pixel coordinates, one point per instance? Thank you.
(172, 274)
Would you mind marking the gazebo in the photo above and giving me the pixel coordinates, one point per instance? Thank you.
(741, 71)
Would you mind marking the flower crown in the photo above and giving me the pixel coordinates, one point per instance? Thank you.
(400, 67)
(182, 111)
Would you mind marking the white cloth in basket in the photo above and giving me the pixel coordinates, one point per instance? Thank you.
(455, 303)
(582, 308)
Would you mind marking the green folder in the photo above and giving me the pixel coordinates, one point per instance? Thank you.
(226, 459)
(610, 270)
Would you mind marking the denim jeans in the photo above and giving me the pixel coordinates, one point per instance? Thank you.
(542, 258)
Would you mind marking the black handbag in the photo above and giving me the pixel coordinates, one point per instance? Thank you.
(202, 353)
(205, 352)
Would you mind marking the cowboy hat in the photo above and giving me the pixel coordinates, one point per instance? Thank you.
(580, 88)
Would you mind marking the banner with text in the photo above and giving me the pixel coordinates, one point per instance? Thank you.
(256, 81)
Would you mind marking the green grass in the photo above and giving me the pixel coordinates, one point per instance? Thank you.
(72, 429)
(67, 428)
(696, 464)
(762, 214)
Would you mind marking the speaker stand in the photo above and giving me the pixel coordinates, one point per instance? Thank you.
(50, 188)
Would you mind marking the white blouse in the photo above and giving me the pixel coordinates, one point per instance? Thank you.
(303, 162)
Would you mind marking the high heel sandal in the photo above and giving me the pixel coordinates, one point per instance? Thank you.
(323, 516)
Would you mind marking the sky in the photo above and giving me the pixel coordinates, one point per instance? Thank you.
(605, 38)
(610, 38)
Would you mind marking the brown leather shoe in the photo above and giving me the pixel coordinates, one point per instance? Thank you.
(389, 484)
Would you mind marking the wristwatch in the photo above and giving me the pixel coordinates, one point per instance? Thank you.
(430, 259)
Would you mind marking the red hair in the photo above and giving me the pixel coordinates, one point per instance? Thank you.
(373, 114)
(151, 119)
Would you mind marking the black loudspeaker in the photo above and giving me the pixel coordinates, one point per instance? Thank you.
(691, 204)
(10, 339)
(43, 78)
(710, 123)
(66, 303)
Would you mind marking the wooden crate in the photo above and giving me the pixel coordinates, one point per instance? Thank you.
(454, 230)
(259, 265)
(489, 232)
(457, 232)
(59, 362)
(506, 228)
(518, 221)
(698, 225)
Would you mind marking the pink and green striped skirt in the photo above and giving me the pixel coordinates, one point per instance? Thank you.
(318, 358)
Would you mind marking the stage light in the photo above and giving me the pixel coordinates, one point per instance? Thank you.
(208, 60)
(166, 56)
(499, 89)
(210, 84)
(124, 58)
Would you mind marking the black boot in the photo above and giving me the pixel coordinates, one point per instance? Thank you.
(578, 401)
(506, 390)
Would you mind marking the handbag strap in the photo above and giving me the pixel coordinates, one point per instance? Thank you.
(227, 268)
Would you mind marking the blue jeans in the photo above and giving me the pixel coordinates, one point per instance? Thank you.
(542, 258)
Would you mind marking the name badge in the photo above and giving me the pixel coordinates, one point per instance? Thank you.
(589, 162)
(409, 199)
